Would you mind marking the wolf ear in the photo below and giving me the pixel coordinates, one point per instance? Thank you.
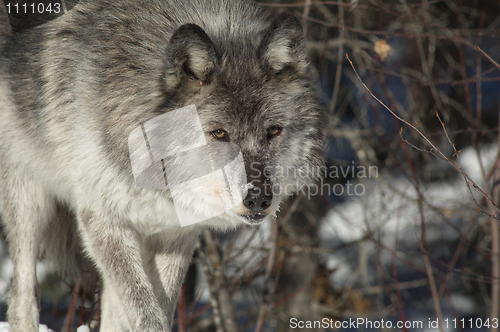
(190, 54)
(283, 45)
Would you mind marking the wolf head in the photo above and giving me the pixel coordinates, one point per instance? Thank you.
(257, 93)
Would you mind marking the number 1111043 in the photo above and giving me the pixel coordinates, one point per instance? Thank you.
(471, 323)
(40, 8)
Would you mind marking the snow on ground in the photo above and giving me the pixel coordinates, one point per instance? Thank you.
(389, 211)
(83, 329)
(4, 327)
(388, 214)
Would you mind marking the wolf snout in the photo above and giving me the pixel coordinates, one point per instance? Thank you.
(258, 200)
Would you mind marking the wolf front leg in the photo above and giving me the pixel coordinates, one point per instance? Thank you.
(129, 302)
(26, 211)
(167, 264)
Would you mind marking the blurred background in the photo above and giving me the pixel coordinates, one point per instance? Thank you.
(404, 227)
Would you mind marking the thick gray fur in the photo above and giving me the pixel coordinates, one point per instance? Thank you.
(72, 90)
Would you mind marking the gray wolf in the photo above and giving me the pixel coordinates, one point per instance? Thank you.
(74, 89)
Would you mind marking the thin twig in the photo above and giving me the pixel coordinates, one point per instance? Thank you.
(427, 263)
(338, 73)
(70, 315)
(264, 307)
(305, 15)
(395, 277)
(488, 57)
(181, 311)
(495, 252)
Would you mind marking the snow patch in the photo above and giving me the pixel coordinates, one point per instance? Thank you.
(4, 327)
(389, 212)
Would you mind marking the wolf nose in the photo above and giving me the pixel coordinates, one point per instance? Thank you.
(258, 200)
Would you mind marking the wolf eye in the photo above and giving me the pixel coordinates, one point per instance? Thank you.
(220, 134)
(273, 131)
